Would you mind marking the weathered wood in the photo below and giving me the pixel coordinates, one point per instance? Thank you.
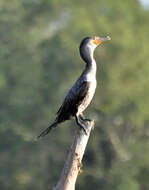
(73, 164)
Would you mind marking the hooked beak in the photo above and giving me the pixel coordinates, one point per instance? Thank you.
(98, 40)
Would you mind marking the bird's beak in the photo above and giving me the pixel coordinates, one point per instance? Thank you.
(98, 40)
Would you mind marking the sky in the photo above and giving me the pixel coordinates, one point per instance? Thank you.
(145, 2)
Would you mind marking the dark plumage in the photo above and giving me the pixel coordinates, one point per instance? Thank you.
(81, 93)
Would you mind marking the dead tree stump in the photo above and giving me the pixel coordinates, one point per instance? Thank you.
(73, 164)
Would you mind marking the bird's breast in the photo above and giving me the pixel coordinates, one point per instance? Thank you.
(90, 78)
(91, 90)
(88, 97)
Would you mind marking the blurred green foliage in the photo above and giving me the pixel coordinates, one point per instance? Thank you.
(39, 62)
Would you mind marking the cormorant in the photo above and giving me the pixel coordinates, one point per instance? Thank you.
(80, 95)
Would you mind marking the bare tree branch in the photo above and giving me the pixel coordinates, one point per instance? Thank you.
(73, 163)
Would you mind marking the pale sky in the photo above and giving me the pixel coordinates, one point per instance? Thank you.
(145, 2)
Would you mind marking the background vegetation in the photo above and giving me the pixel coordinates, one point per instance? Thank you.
(39, 61)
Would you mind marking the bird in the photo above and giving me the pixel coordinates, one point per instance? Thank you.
(80, 95)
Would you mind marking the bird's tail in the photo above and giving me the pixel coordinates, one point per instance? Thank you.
(47, 130)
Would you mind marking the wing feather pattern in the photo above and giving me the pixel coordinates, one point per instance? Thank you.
(73, 99)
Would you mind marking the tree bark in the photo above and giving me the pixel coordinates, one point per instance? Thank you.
(73, 164)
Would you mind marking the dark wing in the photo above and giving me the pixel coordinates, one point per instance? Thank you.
(72, 100)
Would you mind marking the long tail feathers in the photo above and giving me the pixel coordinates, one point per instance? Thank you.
(47, 130)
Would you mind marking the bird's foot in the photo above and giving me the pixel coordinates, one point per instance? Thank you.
(87, 120)
(86, 125)
(83, 123)
(83, 127)
(81, 116)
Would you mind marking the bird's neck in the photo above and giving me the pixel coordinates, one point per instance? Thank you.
(91, 67)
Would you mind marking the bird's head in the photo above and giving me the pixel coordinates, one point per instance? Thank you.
(88, 46)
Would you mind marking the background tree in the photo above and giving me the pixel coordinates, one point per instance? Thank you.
(39, 61)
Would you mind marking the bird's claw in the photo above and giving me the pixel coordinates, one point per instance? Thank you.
(85, 130)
